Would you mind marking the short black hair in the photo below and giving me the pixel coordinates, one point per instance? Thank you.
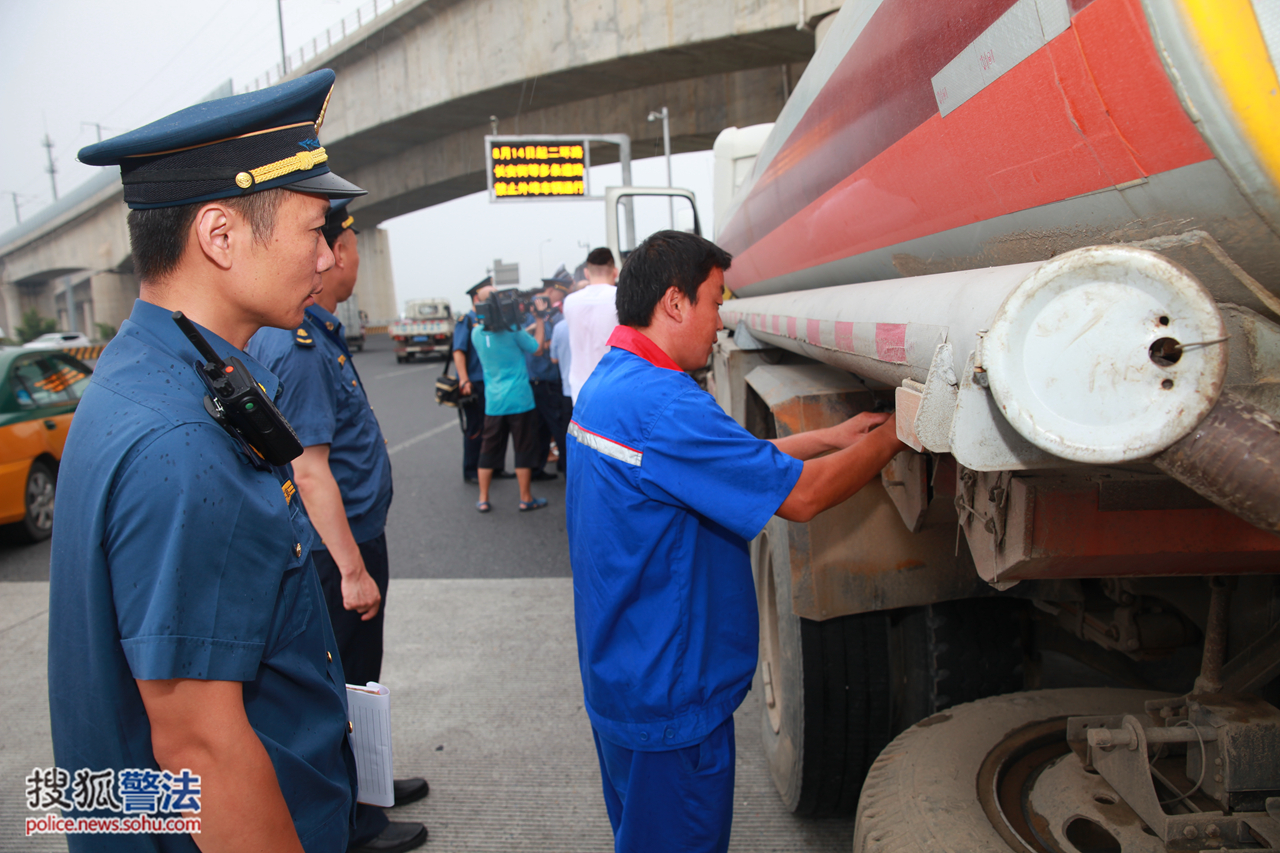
(600, 257)
(158, 237)
(667, 259)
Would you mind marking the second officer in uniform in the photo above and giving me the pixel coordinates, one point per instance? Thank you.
(344, 478)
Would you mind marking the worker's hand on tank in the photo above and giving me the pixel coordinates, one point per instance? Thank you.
(360, 593)
(853, 430)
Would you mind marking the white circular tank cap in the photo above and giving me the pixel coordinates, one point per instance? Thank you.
(1085, 357)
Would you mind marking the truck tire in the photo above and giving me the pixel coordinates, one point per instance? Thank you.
(835, 692)
(932, 787)
(38, 495)
(824, 690)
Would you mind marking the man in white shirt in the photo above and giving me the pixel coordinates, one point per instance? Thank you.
(591, 315)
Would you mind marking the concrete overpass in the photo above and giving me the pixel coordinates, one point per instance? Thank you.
(416, 88)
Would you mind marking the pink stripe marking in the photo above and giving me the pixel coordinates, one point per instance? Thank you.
(844, 337)
(791, 328)
(773, 320)
(891, 342)
(813, 332)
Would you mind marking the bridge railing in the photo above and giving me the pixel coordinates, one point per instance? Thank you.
(345, 28)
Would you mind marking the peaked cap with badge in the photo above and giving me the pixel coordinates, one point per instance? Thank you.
(337, 220)
(475, 288)
(228, 147)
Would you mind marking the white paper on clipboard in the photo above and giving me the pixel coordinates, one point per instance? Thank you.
(370, 710)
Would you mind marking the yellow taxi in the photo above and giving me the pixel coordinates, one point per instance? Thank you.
(39, 391)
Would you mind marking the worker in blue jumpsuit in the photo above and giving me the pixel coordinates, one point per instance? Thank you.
(344, 479)
(185, 632)
(664, 493)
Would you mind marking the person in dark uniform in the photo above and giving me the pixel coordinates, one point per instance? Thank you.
(183, 636)
(544, 375)
(344, 479)
(471, 384)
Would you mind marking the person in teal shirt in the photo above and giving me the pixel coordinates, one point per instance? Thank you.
(508, 400)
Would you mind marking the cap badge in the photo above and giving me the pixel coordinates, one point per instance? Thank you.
(244, 180)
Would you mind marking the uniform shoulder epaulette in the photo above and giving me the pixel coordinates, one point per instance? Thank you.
(302, 337)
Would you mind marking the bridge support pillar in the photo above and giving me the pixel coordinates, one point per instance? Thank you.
(375, 284)
(112, 294)
(12, 312)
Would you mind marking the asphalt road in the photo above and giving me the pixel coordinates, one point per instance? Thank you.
(433, 530)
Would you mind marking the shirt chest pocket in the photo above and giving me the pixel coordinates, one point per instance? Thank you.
(347, 378)
(295, 602)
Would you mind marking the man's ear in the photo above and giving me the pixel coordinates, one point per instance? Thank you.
(214, 227)
(672, 304)
(339, 254)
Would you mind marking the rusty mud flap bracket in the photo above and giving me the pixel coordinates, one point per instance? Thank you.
(862, 555)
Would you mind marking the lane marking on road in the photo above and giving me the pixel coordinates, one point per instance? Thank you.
(407, 370)
(409, 442)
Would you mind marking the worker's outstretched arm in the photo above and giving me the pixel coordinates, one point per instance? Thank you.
(829, 480)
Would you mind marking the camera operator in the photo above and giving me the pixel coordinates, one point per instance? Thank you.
(508, 401)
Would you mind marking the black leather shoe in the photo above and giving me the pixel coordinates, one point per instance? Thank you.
(410, 790)
(472, 480)
(543, 475)
(504, 475)
(396, 838)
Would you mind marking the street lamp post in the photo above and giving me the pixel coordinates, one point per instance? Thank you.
(666, 150)
(284, 60)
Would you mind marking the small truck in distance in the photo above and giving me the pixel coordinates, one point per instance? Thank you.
(425, 328)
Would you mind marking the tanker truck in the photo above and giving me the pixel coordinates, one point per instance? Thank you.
(1047, 234)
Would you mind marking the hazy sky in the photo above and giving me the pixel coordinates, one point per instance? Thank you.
(67, 64)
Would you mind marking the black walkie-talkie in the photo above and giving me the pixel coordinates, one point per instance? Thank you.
(239, 405)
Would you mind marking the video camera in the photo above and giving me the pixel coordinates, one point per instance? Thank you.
(506, 310)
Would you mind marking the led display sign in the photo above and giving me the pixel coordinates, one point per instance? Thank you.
(536, 168)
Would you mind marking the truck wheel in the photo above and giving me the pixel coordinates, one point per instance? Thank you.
(962, 780)
(38, 498)
(835, 692)
(824, 688)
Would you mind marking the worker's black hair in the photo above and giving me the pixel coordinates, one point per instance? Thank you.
(667, 259)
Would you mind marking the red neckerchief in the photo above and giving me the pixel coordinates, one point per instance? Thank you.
(633, 341)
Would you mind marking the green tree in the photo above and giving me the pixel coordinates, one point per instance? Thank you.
(33, 326)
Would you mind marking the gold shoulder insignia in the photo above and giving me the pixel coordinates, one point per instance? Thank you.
(342, 359)
(289, 489)
(302, 337)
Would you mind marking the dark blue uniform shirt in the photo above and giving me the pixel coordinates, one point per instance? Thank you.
(462, 341)
(325, 403)
(541, 368)
(664, 492)
(173, 557)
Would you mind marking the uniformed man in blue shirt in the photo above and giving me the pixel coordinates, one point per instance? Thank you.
(665, 490)
(183, 629)
(344, 479)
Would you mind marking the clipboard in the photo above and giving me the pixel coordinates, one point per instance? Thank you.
(369, 708)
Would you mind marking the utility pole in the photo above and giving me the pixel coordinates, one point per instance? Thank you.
(51, 169)
(666, 150)
(284, 59)
(94, 124)
(16, 214)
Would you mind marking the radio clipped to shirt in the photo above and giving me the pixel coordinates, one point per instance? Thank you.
(238, 403)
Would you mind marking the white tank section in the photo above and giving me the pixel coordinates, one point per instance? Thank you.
(1102, 355)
